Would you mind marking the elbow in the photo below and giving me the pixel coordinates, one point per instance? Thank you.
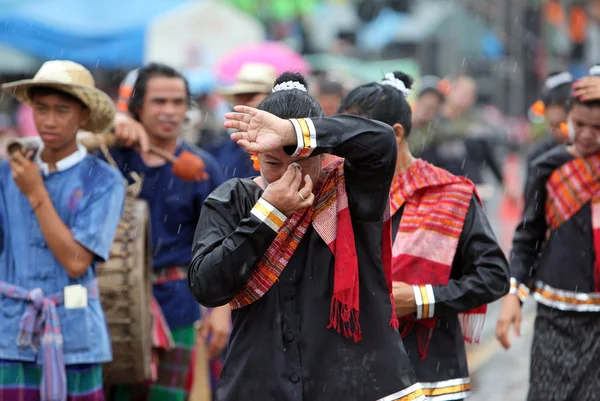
(499, 283)
(204, 292)
(385, 144)
(76, 269)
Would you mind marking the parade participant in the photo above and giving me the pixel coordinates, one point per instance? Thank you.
(430, 99)
(462, 141)
(58, 217)
(553, 104)
(299, 251)
(432, 208)
(159, 101)
(555, 256)
(252, 85)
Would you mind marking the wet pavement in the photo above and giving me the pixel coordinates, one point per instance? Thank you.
(497, 374)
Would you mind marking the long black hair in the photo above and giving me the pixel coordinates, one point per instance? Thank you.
(141, 84)
(381, 102)
(291, 103)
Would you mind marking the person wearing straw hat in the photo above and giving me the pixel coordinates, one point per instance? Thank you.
(252, 84)
(59, 211)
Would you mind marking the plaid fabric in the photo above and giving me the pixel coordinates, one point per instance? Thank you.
(162, 338)
(435, 207)
(173, 380)
(169, 274)
(40, 329)
(330, 217)
(571, 186)
(20, 381)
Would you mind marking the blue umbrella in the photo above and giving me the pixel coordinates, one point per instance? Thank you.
(108, 33)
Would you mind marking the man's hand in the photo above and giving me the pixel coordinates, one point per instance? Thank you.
(404, 298)
(285, 193)
(587, 88)
(27, 175)
(510, 314)
(130, 132)
(218, 325)
(260, 131)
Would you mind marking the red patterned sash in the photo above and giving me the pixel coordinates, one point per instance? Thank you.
(435, 207)
(570, 187)
(331, 219)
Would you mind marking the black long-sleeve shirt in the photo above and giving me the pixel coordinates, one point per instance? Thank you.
(280, 348)
(558, 263)
(479, 275)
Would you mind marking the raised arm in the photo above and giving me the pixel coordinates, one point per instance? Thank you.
(369, 149)
(481, 270)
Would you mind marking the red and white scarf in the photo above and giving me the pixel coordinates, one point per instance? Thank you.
(330, 217)
(435, 207)
(570, 187)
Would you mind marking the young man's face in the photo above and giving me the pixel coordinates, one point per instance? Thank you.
(463, 94)
(586, 123)
(164, 107)
(427, 107)
(274, 164)
(57, 119)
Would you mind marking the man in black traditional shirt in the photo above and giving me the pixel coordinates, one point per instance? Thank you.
(446, 263)
(292, 260)
(555, 255)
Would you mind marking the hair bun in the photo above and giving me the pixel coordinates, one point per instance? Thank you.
(407, 79)
(291, 77)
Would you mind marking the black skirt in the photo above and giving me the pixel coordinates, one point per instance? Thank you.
(565, 356)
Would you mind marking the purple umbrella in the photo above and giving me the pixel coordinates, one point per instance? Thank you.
(281, 57)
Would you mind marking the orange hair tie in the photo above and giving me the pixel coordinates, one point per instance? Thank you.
(564, 128)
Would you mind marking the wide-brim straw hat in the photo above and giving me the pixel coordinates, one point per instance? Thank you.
(252, 78)
(74, 79)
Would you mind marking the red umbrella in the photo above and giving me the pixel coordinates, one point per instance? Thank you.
(281, 57)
